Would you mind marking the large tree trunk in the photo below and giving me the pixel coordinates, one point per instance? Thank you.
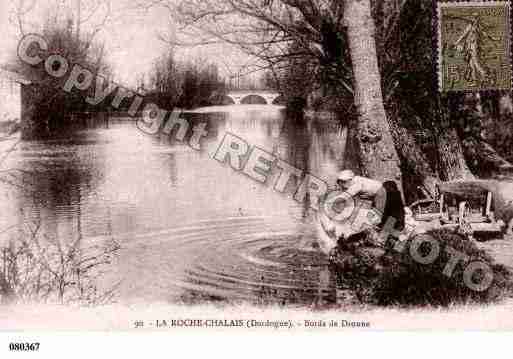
(482, 158)
(377, 153)
(413, 159)
(452, 164)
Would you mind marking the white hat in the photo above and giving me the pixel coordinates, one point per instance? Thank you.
(345, 175)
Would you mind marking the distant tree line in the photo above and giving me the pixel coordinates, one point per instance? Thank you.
(183, 84)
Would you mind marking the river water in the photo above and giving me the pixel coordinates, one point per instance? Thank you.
(190, 229)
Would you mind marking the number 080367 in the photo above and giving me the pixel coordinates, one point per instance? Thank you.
(24, 347)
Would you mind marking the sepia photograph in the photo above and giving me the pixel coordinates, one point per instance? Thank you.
(254, 166)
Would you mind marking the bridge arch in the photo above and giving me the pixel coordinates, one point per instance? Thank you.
(278, 100)
(228, 100)
(253, 99)
(217, 99)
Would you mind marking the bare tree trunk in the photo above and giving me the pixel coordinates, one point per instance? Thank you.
(452, 164)
(482, 158)
(376, 147)
(489, 162)
(412, 156)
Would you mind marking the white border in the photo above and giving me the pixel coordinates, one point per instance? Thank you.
(306, 345)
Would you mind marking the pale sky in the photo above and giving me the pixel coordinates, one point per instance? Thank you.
(131, 35)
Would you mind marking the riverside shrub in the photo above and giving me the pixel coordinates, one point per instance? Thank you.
(385, 276)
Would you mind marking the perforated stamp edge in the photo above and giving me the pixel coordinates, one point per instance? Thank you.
(437, 7)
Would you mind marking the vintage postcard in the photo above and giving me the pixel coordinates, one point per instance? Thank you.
(263, 166)
(474, 45)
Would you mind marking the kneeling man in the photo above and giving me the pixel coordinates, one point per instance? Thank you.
(386, 197)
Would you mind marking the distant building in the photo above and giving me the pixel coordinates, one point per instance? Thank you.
(10, 94)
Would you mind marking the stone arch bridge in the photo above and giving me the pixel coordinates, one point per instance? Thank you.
(253, 97)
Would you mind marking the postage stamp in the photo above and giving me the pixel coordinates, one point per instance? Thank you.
(474, 45)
